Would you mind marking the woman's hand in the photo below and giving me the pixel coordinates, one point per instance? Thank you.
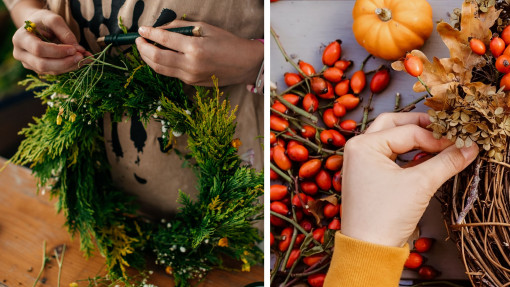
(195, 60)
(45, 57)
(383, 202)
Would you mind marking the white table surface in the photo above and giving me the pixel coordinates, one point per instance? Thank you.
(305, 27)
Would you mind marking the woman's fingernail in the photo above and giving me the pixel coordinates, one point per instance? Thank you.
(79, 48)
(142, 30)
(71, 51)
(78, 58)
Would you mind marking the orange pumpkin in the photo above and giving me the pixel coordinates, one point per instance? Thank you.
(389, 28)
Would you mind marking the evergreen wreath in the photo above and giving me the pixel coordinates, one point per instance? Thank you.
(66, 151)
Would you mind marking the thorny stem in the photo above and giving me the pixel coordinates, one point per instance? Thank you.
(426, 87)
(291, 246)
(311, 144)
(405, 109)
(297, 110)
(289, 89)
(60, 262)
(297, 125)
(366, 110)
(310, 270)
(296, 225)
(304, 274)
(44, 261)
(299, 93)
(397, 102)
(295, 122)
(296, 192)
(281, 173)
(411, 105)
(290, 272)
(285, 55)
(473, 194)
(330, 105)
(283, 115)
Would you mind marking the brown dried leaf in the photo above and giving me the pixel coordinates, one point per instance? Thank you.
(458, 41)
(315, 208)
(331, 199)
(434, 73)
(487, 19)
(440, 99)
(398, 66)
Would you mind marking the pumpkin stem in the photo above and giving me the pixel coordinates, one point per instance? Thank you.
(384, 14)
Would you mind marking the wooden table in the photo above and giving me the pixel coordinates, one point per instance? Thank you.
(28, 219)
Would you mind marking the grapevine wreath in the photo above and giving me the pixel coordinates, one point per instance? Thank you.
(470, 101)
(66, 151)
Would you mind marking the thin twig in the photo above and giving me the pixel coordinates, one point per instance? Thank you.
(397, 102)
(291, 246)
(290, 272)
(289, 249)
(426, 87)
(304, 274)
(44, 260)
(311, 144)
(287, 117)
(310, 270)
(296, 225)
(60, 262)
(365, 61)
(405, 109)
(275, 268)
(480, 224)
(291, 88)
(497, 162)
(436, 283)
(412, 105)
(297, 110)
(280, 173)
(473, 194)
(366, 110)
(285, 55)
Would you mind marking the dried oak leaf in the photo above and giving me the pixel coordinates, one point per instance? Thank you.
(439, 75)
(316, 206)
(472, 25)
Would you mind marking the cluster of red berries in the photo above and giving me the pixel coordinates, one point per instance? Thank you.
(307, 139)
(500, 50)
(415, 260)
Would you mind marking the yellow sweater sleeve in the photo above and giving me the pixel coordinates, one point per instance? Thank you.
(357, 263)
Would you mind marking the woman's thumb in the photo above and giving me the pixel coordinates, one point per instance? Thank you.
(446, 164)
